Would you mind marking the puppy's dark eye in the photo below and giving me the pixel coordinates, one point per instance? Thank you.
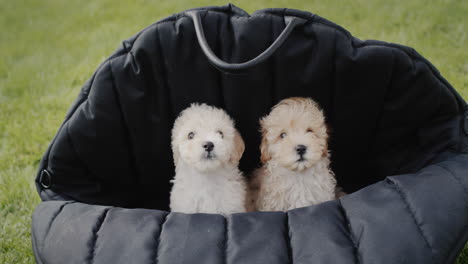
(283, 135)
(220, 133)
(309, 130)
(191, 135)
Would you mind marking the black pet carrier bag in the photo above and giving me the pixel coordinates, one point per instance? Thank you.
(398, 145)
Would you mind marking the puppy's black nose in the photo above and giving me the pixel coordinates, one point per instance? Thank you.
(301, 149)
(208, 146)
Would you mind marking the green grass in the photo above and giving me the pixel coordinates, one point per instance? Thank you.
(48, 48)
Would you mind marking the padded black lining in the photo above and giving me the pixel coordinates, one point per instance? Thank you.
(341, 163)
(350, 233)
(92, 244)
(404, 199)
(158, 238)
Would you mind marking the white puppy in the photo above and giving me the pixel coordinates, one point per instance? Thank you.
(295, 157)
(207, 149)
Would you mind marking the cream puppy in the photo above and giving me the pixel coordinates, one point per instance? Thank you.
(295, 158)
(207, 149)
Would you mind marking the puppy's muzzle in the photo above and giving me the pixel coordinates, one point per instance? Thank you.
(301, 150)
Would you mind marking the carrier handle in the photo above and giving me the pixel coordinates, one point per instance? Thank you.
(291, 21)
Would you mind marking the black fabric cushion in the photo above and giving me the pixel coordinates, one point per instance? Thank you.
(390, 113)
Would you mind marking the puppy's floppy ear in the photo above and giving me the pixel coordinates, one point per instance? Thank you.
(325, 152)
(264, 152)
(175, 155)
(239, 148)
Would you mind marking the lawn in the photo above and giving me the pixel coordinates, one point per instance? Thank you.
(48, 48)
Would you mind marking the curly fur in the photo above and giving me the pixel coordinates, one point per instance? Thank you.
(287, 181)
(207, 183)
